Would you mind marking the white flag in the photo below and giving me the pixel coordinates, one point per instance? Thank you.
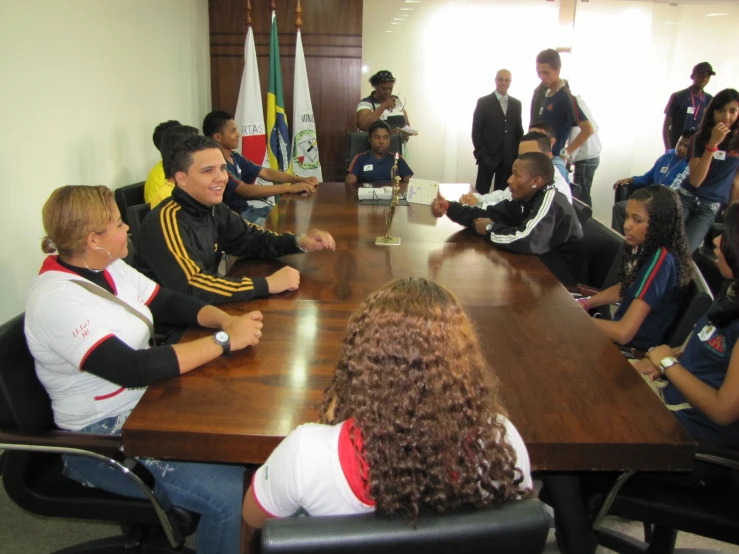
(305, 142)
(249, 115)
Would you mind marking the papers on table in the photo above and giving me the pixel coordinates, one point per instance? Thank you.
(381, 193)
(422, 191)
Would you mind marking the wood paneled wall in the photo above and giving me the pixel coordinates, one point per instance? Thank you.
(332, 41)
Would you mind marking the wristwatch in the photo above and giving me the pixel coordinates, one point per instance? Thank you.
(222, 339)
(297, 241)
(666, 363)
(564, 153)
(489, 228)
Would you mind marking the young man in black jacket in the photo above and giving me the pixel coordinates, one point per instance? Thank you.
(181, 240)
(537, 220)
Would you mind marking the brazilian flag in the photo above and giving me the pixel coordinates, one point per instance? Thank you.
(278, 143)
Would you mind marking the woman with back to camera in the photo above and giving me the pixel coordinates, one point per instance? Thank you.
(654, 274)
(411, 422)
(713, 161)
(88, 325)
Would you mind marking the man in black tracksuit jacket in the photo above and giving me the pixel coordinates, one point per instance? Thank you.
(538, 220)
(181, 240)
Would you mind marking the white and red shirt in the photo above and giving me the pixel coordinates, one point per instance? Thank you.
(316, 469)
(65, 323)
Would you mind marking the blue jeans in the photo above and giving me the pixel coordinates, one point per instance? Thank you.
(213, 491)
(698, 216)
(257, 216)
(584, 174)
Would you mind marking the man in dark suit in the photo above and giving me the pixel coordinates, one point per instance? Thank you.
(496, 132)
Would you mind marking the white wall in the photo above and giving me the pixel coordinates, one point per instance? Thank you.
(84, 83)
(652, 50)
(627, 57)
(444, 57)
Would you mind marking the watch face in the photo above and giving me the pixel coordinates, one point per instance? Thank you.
(222, 336)
(563, 152)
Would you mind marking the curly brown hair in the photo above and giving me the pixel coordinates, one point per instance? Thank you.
(414, 379)
(665, 230)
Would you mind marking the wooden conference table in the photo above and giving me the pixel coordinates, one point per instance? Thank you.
(575, 400)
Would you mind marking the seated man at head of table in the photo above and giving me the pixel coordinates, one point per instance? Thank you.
(533, 141)
(670, 169)
(246, 196)
(181, 240)
(537, 220)
(374, 165)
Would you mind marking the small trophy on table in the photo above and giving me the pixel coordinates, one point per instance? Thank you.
(387, 240)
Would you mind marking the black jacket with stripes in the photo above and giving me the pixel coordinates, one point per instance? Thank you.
(180, 246)
(546, 225)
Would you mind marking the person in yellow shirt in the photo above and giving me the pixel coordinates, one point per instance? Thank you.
(171, 138)
(155, 179)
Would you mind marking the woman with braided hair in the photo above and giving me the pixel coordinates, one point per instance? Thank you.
(411, 422)
(654, 273)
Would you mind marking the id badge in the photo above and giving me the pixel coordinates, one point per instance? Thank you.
(367, 167)
(663, 170)
(719, 155)
(691, 110)
(706, 333)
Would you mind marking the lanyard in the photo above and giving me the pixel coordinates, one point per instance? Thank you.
(669, 168)
(692, 102)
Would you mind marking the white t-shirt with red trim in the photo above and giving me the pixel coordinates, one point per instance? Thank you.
(315, 469)
(64, 324)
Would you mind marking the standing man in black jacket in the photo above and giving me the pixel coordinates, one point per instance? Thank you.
(496, 132)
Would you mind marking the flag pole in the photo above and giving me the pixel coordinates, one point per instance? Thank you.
(247, 18)
(299, 16)
(272, 5)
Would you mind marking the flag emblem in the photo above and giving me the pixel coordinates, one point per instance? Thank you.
(305, 153)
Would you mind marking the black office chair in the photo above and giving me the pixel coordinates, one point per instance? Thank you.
(694, 304)
(583, 211)
(516, 527)
(664, 509)
(604, 250)
(136, 215)
(575, 190)
(622, 193)
(130, 195)
(33, 475)
(131, 256)
(358, 142)
(705, 259)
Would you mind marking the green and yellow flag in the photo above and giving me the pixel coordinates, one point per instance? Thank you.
(278, 142)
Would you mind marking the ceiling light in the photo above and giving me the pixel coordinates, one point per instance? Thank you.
(716, 14)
